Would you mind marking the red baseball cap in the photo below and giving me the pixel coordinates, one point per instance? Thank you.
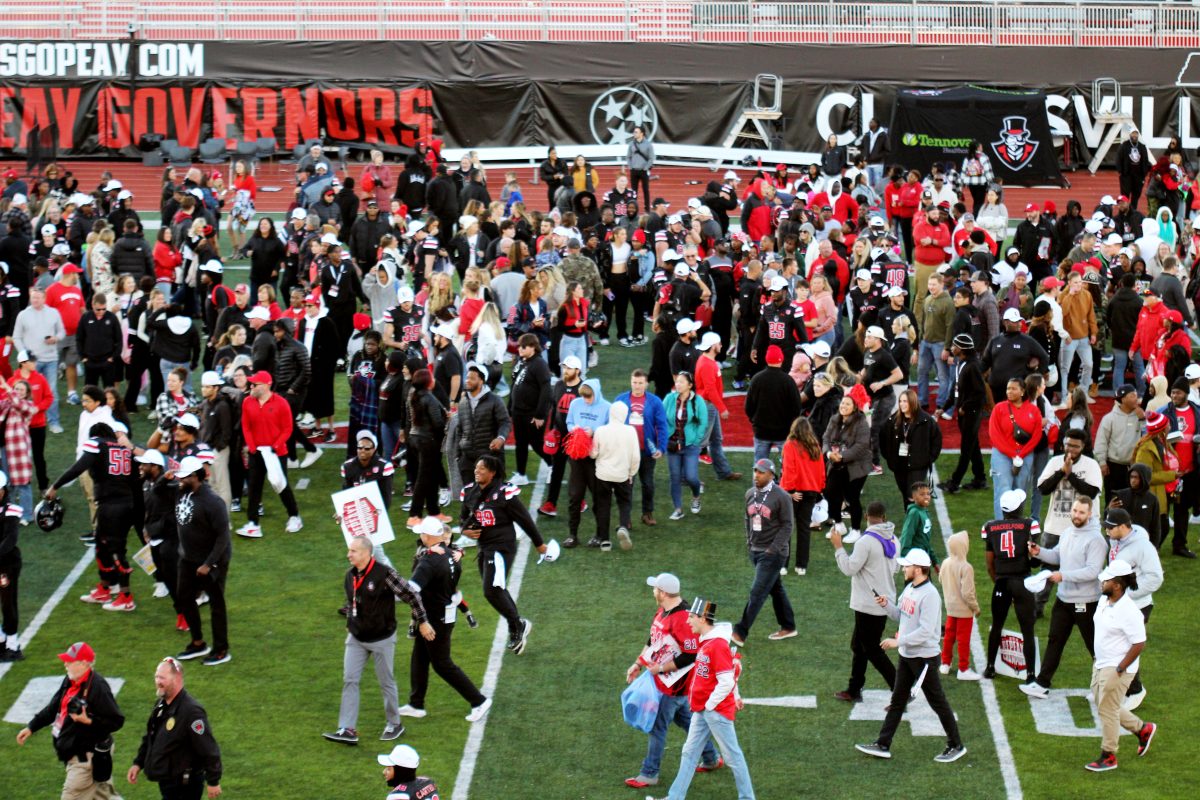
(781, 167)
(1051, 283)
(262, 376)
(12, 173)
(1031, 207)
(215, 176)
(1050, 207)
(361, 321)
(1122, 198)
(242, 287)
(639, 236)
(80, 651)
(1078, 268)
(313, 299)
(1174, 316)
(503, 263)
(71, 269)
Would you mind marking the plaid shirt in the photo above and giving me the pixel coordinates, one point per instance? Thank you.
(976, 171)
(17, 446)
(167, 410)
(365, 374)
(406, 593)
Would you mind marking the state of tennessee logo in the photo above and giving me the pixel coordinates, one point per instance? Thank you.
(1015, 148)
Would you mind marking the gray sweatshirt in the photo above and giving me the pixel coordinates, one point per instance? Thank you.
(31, 329)
(869, 567)
(1117, 437)
(1137, 550)
(1079, 555)
(640, 156)
(770, 511)
(919, 610)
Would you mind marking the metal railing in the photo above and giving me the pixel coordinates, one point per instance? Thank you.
(983, 22)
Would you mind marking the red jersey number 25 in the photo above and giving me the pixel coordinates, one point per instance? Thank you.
(120, 462)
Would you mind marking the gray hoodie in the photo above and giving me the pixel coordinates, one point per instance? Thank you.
(919, 610)
(1137, 550)
(1079, 555)
(871, 567)
(1117, 436)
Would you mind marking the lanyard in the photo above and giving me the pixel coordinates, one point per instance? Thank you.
(756, 505)
(357, 582)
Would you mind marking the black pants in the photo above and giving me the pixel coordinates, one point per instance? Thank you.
(139, 360)
(802, 518)
(602, 492)
(619, 284)
(436, 654)
(1131, 188)
(499, 598)
(191, 584)
(192, 790)
(906, 234)
(1064, 619)
(97, 374)
(978, 195)
(864, 644)
(970, 454)
(296, 404)
(526, 436)
(1182, 509)
(258, 477)
(1009, 591)
(582, 481)
(114, 519)
(640, 300)
(558, 467)
(905, 478)
(907, 674)
(424, 451)
(237, 469)
(639, 181)
(156, 378)
(840, 489)
(37, 441)
(646, 478)
(10, 584)
(1117, 479)
(166, 568)
(1135, 685)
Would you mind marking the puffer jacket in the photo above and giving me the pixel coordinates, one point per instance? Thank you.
(131, 255)
(478, 426)
(426, 415)
(292, 369)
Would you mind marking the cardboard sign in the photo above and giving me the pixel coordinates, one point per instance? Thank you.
(361, 512)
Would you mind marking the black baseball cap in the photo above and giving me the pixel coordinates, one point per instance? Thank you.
(1117, 517)
(658, 201)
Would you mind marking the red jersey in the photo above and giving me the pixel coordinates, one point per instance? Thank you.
(673, 623)
(68, 302)
(713, 659)
(1186, 451)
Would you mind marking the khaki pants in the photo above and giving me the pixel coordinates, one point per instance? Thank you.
(89, 491)
(1109, 689)
(219, 476)
(923, 271)
(80, 786)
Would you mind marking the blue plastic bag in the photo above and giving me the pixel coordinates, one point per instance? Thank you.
(639, 702)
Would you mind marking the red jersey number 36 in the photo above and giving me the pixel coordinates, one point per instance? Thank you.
(120, 462)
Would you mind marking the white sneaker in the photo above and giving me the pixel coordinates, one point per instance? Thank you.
(593, 359)
(851, 537)
(409, 711)
(142, 400)
(783, 572)
(1132, 701)
(202, 598)
(479, 711)
(519, 480)
(293, 464)
(160, 590)
(464, 542)
(443, 497)
(801, 571)
(311, 458)
(696, 505)
(944, 669)
(56, 428)
(294, 524)
(968, 674)
(250, 530)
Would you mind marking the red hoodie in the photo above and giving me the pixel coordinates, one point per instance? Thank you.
(1149, 328)
(910, 200)
(709, 384)
(801, 473)
(1000, 428)
(844, 208)
(934, 253)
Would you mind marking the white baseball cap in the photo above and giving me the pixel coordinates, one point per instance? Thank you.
(1108, 200)
(686, 325)
(48, 229)
(1012, 315)
(404, 294)
(778, 284)
(571, 362)
(876, 332)
(447, 330)
(877, 222)
(19, 199)
(188, 420)
(1117, 568)
(1192, 372)
(820, 349)
(1012, 499)
(151, 456)
(402, 755)
(895, 291)
(664, 582)
(682, 270)
(214, 266)
(124, 194)
(330, 239)
(429, 526)
(61, 249)
(1114, 238)
(1092, 226)
(915, 558)
(211, 378)
(674, 218)
(863, 275)
(189, 466)
(259, 312)
(299, 213)
(670, 255)
(730, 175)
(113, 186)
(709, 339)
(467, 220)
(693, 203)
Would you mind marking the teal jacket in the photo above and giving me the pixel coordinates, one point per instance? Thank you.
(697, 418)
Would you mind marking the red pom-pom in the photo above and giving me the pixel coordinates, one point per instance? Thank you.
(578, 444)
(362, 322)
(858, 393)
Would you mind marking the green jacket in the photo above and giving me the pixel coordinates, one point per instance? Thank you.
(935, 319)
(917, 532)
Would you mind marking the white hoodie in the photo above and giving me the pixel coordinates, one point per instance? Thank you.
(615, 447)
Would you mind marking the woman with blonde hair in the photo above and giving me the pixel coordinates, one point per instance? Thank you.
(490, 343)
(554, 288)
(99, 261)
(439, 298)
(840, 371)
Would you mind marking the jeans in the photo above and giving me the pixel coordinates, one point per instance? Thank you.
(646, 478)
(671, 708)
(721, 728)
(1040, 459)
(1121, 360)
(762, 448)
(874, 174)
(49, 371)
(25, 500)
(684, 466)
(574, 346)
(389, 436)
(354, 659)
(766, 582)
(713, 441)
(1066, 354)
(1003, 478)
(930, 355)
(165, 367)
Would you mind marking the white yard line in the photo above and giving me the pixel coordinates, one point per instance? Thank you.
(1008, 766)
(51, 603)
(470, 757)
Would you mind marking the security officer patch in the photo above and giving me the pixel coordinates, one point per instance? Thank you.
(198, 727)
(171, 724)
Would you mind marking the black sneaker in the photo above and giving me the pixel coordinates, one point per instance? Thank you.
(570, 542)
(595, 542)
(88, 539)
(523, 637)
(951, 753)
(975, 485)
(236, 505)
(392, 732)
(344, 610)
(989, 673)
(214, 659)
(194, 650)
(949, 487)
(343, 735)
(471, 621)
(8, 656)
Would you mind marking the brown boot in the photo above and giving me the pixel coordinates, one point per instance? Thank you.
(1094, 390)
(648, 520)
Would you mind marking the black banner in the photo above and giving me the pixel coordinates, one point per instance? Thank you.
(941, 125)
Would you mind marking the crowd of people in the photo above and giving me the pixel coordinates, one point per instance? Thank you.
(829, 297)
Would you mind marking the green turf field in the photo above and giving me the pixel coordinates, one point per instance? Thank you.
(556, 725)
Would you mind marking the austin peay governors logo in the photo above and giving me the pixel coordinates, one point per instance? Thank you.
(361, 517)
(1015, 149)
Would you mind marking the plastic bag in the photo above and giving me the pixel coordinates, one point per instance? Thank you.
(639, 702)
(275, 474)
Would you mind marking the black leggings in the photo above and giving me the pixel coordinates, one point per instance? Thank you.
(258, 477)
(1010, 591)
(802, 515)
(499, 598)
(37, 441)
(527, 437)
(424, 451)
(841, 489)
(619, 284)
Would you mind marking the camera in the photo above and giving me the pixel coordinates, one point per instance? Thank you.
(77, 705)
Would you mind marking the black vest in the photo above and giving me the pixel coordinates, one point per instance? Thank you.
(372, 607)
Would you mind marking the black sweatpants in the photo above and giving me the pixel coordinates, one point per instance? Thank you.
(499, 598)
(258, 477)
(802, 518)
(558, 467)
(1009, 591)
(602, 493)
(424, 462)
(10, 584)
(190, 585)
(582, 481)
(436, 654)
(1064, 618)
(908, 673)
(166, 568)
(114, 519)
(526, 436)
(969, 454)
(864, 644)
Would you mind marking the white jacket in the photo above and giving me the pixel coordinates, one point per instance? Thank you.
(615, 447)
